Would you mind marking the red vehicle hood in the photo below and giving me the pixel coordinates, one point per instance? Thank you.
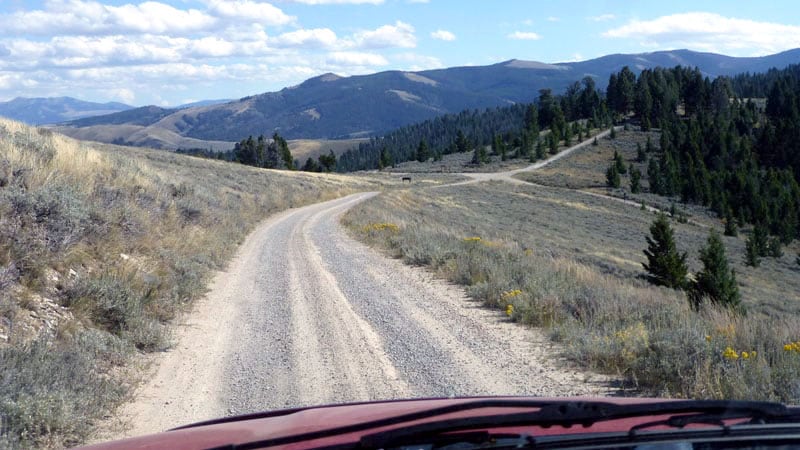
(279, 424)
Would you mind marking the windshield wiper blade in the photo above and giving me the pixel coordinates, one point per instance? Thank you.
(572, 413)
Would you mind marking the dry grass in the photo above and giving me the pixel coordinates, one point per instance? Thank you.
(100, 246)
(576, 261)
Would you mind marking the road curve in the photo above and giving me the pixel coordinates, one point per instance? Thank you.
(306, 315)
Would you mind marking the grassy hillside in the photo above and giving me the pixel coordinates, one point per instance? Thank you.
(570, 261)
(100, 246)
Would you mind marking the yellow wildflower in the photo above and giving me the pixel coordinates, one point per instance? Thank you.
(708, 338)
(509, 310)
(730, 353)
(511, 294)
(472, 239)
(745, 355)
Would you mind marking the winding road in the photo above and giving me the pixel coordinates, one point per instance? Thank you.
(306, 315)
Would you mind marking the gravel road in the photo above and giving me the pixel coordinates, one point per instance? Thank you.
(306, 315)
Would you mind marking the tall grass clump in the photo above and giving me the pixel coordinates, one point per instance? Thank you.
(649, 336)
(100, 246)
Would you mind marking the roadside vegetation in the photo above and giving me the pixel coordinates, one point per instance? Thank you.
(572, 264)
(700, 300)
(100, 247)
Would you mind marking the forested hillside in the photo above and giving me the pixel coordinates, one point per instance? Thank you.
(719, 150)
(512, 130)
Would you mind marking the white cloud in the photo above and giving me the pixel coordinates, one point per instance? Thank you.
(524, 36)
(314, 38)
(416, 62)
(124, 94)
(553, 19)
(711, 32)
(338, 2)
(602, 18)
(400, 34)
(77, 17)
(248, 10)
(356, 59)
(443, 35)
(527, 22)
(91, 17)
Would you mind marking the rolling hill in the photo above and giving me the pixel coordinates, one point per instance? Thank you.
(330, 106)
(38, 111)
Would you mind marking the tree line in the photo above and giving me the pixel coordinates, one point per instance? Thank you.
(267, 153)
(510, 131)
(719, 149)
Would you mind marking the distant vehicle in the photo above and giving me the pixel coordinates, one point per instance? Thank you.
(496, 422)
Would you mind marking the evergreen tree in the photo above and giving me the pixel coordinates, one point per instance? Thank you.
(311, 166)
(540, 149)
(715, 281)
(760, 238)
(752, 257)
(613, 133)
(636, 178)
(462, 144)
(730, 223)
(641, 156)
(479, 156)
(654, 177)
(328, 162)
(283, 151)
(665, 266)
(386, 158)
(612, 176)
(552, 141)
(423, 153)
(620, 163)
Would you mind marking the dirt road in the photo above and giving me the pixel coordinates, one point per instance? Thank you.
(306, 315)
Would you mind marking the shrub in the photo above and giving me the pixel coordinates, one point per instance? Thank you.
(51, 390)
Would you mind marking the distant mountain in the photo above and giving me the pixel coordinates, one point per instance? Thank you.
(38, 111)
(203, 103)
(330, 106)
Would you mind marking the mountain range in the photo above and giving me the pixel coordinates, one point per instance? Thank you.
(39, 111)
(330, 106)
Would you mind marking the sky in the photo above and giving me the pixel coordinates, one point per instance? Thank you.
(171, 52)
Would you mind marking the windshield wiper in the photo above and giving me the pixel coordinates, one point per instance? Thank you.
(566, 413)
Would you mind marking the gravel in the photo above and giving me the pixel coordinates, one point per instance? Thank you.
(305, 315)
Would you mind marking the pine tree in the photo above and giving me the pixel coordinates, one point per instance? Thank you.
(641, 156)
(760, 238)
(423, 153)
(552, 140)
(462, 144)
(620, 163)
(613, 133)
(386, 158)
(612, 176)
(716, 281)
(752, 257)
(665, 266)
(636, 177)
(654, 177)
(730, 223)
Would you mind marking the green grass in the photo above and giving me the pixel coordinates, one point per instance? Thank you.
(576, 260)
(100, 246)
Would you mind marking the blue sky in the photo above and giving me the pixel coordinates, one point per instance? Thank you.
(168, 52)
